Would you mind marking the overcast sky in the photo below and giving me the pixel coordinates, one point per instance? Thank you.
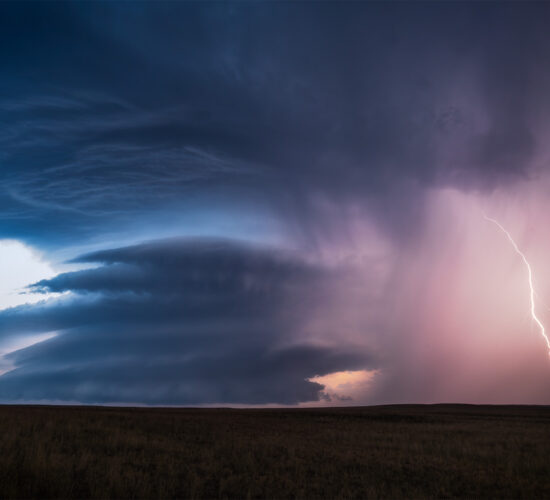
(273, 203)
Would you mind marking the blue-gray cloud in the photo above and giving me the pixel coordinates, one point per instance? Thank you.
(161, 107)
(177, 322)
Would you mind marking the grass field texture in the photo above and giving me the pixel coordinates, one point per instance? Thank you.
(377, 452)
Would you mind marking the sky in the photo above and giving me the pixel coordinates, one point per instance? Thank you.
(274, 203)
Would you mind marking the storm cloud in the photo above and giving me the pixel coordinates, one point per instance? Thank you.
(266, 107)
(240, 197)
(176, 322)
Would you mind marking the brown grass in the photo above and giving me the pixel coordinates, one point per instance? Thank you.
(388, 452)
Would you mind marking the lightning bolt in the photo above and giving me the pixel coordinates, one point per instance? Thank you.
(530, 275)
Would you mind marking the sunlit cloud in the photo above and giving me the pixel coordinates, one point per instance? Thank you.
(345, 387)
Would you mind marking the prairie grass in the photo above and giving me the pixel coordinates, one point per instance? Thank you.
(408, 451)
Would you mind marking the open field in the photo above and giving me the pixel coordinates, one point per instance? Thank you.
(389, 452)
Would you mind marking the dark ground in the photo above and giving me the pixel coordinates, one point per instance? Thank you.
(389, 452)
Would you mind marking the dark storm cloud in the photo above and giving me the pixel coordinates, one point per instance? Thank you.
(165, 266)
(177, 322)
(317, 118)
(117, 109)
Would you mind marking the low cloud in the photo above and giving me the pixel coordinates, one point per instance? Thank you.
(177, 322)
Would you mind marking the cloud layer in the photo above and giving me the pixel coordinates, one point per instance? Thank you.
(177, 322)
(164, 107)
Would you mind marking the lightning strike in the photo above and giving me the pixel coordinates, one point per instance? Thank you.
(532, 292)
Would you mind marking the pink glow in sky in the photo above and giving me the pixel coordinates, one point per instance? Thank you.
(449, 314)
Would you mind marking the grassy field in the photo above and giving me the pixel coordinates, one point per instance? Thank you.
(388, 452)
